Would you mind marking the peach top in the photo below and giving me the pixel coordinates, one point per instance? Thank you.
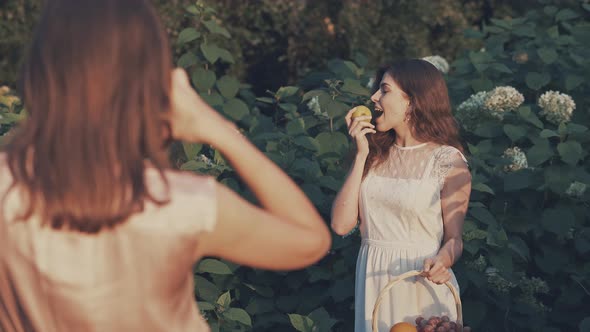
(135, 277)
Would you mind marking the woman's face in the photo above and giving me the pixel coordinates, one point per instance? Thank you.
(391, 105)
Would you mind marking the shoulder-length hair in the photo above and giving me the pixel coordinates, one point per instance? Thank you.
(430, 120)
(95, 85)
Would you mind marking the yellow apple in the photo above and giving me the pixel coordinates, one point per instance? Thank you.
(361, 111)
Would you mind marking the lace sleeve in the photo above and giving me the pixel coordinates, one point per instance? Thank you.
(447, 158)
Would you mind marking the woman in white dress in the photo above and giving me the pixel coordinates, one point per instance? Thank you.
(409, 186)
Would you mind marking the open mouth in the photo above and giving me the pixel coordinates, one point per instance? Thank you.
(377, 112)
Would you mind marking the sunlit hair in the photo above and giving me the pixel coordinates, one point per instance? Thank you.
(430, 117)
(95, 86)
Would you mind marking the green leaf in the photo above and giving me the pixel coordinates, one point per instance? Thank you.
(565, 15)
(187, 35)
(573, 128)
(211, 52)
(482, 188)
(296, 127)
(336, 109)
(489, 130)
(307, 142)
(570, 152)
(288, 107)
(301, 323)
(228, 86)
(517, 245)
(203, 79)
(539, 153)
(558, 220)
(483, 215)
(213, 266)
(514, 132)
(536, 80)
(191, 150)
(213, 27)
(286, 91)
(238, 315)
(226, 56)
(354, 86)
(206, 290)
(546, 133)
(502, 68)
(332, 142)
(314, 93)
(547, 55)
(187, 59)
(518, 180)
(236, 109)
(528, 115)
(322, 319)
(266, 100)
(573, 81)
(224, 300)
(497, 237)
(214, 99)
(481, 84)
(205, 305)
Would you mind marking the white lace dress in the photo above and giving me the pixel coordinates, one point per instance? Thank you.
(401, 225)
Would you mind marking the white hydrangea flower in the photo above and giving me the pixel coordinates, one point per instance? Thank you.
(314, 105)
(576, 189)
(503, 99)
(370, 83)
(439, 62)
(556, 107)
(205, 159)
(488, 105)
(517, 157)
(470, 111)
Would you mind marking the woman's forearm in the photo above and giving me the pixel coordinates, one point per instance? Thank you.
(450, 252)
(345, 209)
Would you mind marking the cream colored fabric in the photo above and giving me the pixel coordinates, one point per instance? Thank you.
(401, 225)
(136, 277)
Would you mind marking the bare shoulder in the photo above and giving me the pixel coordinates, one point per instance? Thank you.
(188, 182)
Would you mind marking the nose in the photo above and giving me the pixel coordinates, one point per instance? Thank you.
(375, 97)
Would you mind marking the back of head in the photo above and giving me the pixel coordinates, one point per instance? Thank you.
(95, 87)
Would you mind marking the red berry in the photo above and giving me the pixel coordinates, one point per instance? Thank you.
(419, 319)
(445, 318)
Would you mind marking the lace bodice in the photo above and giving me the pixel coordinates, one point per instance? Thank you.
(400, 199)
(424, 161)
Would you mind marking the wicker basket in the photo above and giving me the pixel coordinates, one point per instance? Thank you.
(409, 275)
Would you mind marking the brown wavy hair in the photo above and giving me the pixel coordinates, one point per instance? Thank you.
(430, 116)
(95, 86)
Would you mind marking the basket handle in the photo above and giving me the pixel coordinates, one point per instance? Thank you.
(410, 274)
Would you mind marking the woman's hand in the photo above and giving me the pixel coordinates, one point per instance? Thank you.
(191, 118)
(435, 271)
(358, 128)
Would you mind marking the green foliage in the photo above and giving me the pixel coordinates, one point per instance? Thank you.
(534, 219)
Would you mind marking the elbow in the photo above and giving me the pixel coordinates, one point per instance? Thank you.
(315, 247)
(341, 228)
(338, 229)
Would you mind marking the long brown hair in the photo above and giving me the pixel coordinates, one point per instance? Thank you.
(430, 116)
(95, 86)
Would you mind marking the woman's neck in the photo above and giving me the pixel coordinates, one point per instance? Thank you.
(404, 138)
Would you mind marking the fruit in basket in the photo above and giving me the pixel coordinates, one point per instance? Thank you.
(403, 327)
(361, 111)
(439, 324)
